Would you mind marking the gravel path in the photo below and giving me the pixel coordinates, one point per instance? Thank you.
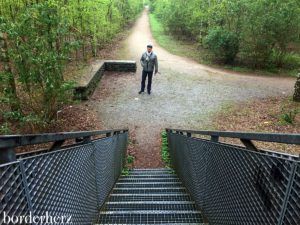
(184, 95)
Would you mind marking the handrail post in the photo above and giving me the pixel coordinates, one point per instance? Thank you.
(7, 155)
(249, 144)
(215, 138)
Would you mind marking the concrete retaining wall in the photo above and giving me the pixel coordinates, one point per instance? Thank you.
(120, 65)
(88, 83)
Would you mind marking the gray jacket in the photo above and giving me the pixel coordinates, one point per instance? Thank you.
(149, 62)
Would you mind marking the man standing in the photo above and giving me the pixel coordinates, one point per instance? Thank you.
(148, 62)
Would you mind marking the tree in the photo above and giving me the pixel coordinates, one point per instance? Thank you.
(265, 28)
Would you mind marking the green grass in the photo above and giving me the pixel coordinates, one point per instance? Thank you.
(174, 45)
(129, 160)
(165, 152)
(194, 51)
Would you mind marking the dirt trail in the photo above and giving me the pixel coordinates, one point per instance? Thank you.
(184, 95)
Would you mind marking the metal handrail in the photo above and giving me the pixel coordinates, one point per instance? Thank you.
(8, 143)
(12, 141)
(220, 174)
(250, 136)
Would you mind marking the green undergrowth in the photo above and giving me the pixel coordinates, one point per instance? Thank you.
(128, 163)
(194, 51)
(165, 151)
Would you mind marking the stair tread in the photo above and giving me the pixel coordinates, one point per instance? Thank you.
(149, 176)
(151, 218)
(155, 196)
(150, 198)
(149, 185)
(137, 218)
(151, 224)
(154, 206)
(154, 202)
(141, 212)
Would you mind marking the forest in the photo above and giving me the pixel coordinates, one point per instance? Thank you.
(256, 34)
(37, 39)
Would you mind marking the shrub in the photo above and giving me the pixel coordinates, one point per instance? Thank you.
(38, 56)
(289, 117)
(223, 44)
(165, 152)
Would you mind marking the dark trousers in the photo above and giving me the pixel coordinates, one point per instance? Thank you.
(144, 77)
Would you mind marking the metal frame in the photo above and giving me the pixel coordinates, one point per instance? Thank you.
(248, 136)
(72, 180)
(8, 143)
(264, 184)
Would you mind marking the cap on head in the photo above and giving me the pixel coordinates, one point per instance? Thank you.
(149, 46)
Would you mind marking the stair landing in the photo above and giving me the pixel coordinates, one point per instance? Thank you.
(150, 196)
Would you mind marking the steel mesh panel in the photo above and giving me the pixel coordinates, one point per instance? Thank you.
(104, 167)
(63, 183)
(241, 186)
(13, 193)
(109, 156)
(292, 215)
(233, 185)
(120, 152)
(185, 155)
(72, 181)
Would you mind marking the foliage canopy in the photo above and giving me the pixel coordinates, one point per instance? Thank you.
(265, 32)
(37, 39)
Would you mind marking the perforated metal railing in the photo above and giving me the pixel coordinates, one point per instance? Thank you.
(239, 185)
(61, 181)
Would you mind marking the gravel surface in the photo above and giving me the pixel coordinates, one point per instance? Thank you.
(184, 95)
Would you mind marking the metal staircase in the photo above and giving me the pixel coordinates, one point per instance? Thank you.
(79, 175)
(150, 196)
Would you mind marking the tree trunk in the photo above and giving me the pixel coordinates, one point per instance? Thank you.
(296, 96)
(14, 100)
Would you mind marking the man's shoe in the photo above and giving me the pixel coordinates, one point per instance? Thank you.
(149, 92)
(140, 92)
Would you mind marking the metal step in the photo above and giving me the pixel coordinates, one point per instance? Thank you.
(149, 190)
(159, 206)
(154, 217)
(163, 175)
(143, 180)
(147, 197)
(154, 224)
(149, 185)
(152, 171)
(155, 196)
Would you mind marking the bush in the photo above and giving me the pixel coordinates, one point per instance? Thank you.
(165, 151)
(38, 56)
(286, 61)
(289, 117)
(223, 44)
